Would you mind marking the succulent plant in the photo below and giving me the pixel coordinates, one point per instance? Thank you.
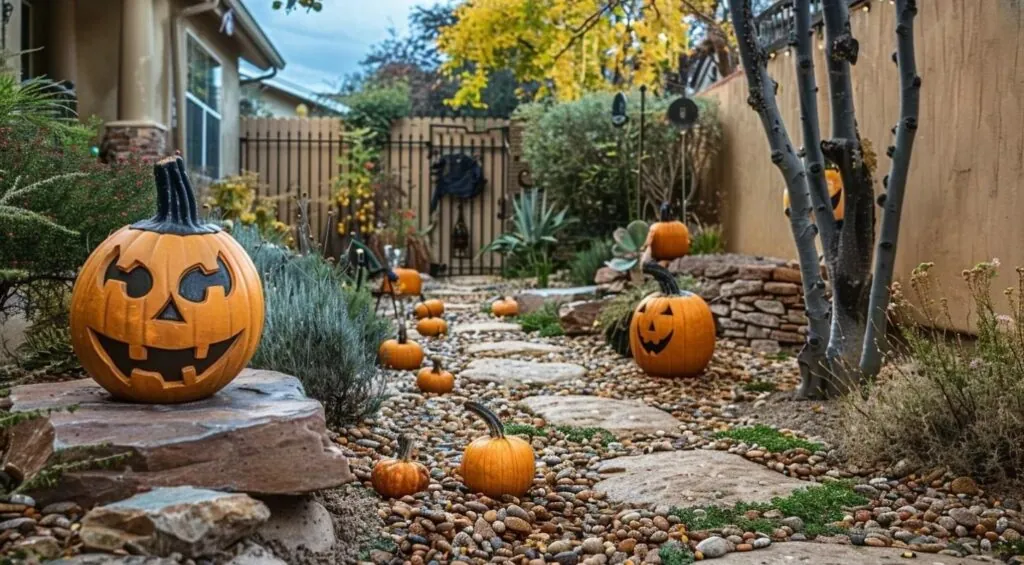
(629, 247)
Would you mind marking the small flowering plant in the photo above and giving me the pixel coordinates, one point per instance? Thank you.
(356, 187)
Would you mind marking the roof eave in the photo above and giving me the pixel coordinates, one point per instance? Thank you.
(265, 55)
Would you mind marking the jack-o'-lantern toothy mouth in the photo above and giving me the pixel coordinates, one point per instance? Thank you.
(655, 347)
(170, 364)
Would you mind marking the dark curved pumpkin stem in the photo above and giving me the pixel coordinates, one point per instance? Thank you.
(494, 424)
(666, 212)
(403, 336)
(438, 367)
(666, 281)
(176, 209)
(405, 444)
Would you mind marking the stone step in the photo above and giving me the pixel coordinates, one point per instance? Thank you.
(511, 371)
(616, 416)
(830, 554)
(486, 327)
(504, 348)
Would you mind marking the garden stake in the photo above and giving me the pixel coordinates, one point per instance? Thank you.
(640, 155)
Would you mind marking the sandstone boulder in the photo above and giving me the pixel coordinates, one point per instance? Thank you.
(261, 435)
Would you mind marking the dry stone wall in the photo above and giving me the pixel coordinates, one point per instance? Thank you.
(757, 301)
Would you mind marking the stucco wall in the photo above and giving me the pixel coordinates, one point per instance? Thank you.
(965, 192)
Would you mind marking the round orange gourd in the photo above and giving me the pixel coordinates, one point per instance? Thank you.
(428, 309)
(395, 478)
(409, 282)
(402, 353)
(435, 379)
(496, 465)
(669, 238)
(835, 193)
(167, 309)
(505, 307)
(432, 327)
(672, 333)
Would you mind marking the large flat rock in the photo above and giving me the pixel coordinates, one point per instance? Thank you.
(503, 348)
(691, 478)
(511, 371)
(533, 299)
(261, 435)
(614, 415)
(799, 553)
(486, 327)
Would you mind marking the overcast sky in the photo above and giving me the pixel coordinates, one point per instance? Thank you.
(320, 48)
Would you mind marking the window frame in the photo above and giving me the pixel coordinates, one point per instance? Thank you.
(27, 60)
(203, 106)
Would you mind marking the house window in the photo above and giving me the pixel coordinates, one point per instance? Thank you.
(26, 41)
(202, 110)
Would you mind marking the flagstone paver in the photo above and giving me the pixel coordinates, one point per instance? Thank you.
(511, 371)
(597, 412)
(503, 348)
(487, 327)
(798, 553)
(691, 478)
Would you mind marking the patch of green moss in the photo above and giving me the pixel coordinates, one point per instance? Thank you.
(544, 320)
(584, 435)
(514, 429)
(760, 386)
(675, 554)
(768, 438)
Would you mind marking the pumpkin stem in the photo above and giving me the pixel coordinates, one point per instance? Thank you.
(402, 335)
(405, 444)
(438, 367)
(666, 281)
(493, 423)
(666, 212)
(176, 209)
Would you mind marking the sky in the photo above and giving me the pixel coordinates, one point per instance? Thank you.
(320, 48)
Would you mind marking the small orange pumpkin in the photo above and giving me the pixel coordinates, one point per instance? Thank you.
(672, 333)
(428, 309)
(401, 353)
(669, 238)
(435, 379)
(409, 282)
(496, 465)
(395, 478)
(505, 307)
(835, 193)
(432, 327)
(168, 309)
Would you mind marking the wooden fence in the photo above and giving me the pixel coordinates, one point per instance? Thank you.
(965, 189)
(304, 156)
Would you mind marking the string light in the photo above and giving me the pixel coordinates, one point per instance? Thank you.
(789, 51)
(866, 8)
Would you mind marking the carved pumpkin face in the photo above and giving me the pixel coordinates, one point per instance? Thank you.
(672, 334)
(835, 193)
(167, 310)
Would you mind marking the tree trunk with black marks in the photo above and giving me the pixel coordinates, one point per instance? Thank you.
(812, 358)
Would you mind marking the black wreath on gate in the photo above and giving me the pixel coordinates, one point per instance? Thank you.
(457, 175)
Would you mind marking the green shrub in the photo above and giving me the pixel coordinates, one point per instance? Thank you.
(707, 240)
(588, 164)
(768, 438)
(375, 106)
(319, 329)
(675, 554)
(964, 402)
(535, 227)
(545, 320)
(585, 263)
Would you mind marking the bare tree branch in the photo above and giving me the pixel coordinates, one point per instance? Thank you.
(895, 184)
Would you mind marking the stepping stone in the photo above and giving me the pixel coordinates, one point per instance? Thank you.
(791, 553)
(461, 307)
(511, 371)
(502, 348)
(691, 478)
(486, 327)
(534, 299)
(596, 412)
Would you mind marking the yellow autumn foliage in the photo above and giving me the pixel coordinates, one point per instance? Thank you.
(567, 46)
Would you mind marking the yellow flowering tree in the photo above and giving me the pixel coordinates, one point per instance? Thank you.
(569, 47)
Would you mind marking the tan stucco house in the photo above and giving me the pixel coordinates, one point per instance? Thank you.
(142, 65)
(279, 98)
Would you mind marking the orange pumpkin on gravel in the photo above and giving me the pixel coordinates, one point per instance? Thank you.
(505, 307)
(669, 238)
(435, 379)
(432, 327)
(168, 309)
(497, 465)
(402, 353)
(432, 308)
(395, 478)
(672, 333)
(410, 283)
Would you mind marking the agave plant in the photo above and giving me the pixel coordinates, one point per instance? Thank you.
(535, 225)
(628, 249)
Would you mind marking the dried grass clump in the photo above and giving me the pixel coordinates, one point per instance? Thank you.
(945, 401)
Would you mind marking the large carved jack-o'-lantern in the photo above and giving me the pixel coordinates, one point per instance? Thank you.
(672, 333)
(167, 309)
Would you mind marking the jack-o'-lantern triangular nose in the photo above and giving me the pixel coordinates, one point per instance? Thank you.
(651, 327)
(170, 313)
